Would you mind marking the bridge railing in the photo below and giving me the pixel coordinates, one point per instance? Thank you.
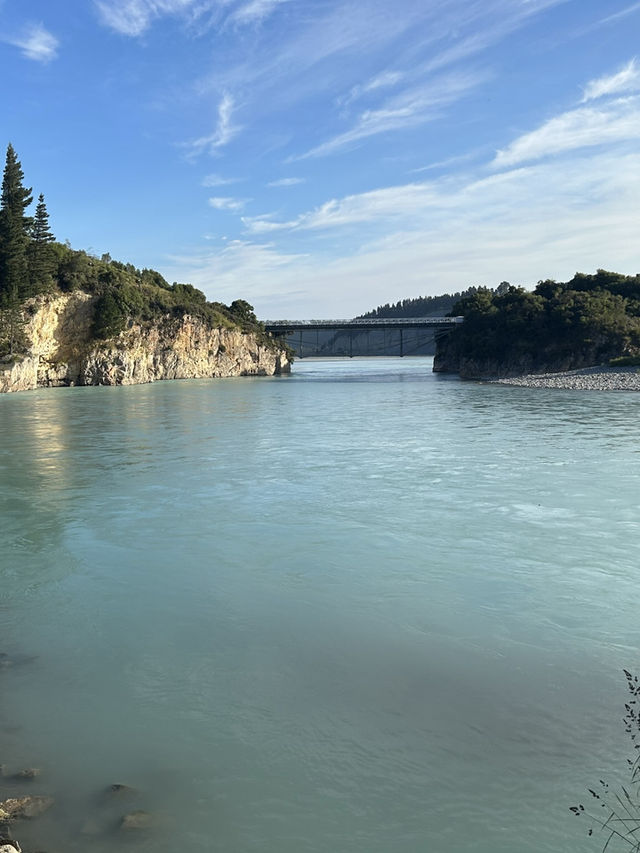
(408, 321)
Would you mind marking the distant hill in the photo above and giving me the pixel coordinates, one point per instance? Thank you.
(421, 306)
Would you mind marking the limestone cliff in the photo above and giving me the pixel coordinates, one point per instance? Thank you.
(63, 351)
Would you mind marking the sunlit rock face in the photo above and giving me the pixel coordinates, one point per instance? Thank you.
(63, 351)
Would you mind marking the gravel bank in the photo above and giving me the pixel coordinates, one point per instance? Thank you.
(587, 379)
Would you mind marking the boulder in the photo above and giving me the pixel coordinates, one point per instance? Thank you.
(29, 773)
(24, 807)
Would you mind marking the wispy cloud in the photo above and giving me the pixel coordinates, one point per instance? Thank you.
(580, 128)
(407, 109)
(226, 203)
(286, 182)
(36, 43)
(625, 80)
(384, 80)
(218, 181)
(623, 13)
(223, 134)
(133, 17)
(255, 11)
(544, 220)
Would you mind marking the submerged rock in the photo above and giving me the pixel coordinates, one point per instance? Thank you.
(24, 807)
(7, 845)
(136, 820)
(29, 773)
(120, 789)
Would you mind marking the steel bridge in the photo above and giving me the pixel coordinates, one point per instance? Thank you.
(294, 329)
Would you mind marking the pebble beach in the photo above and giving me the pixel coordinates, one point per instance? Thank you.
(587, 379)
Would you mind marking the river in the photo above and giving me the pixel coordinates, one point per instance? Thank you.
(359, 609)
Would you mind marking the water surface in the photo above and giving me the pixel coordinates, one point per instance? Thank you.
(360, 609)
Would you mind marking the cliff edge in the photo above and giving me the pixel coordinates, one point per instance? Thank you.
(63, 351)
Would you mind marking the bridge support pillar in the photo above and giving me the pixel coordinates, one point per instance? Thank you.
(401, 343)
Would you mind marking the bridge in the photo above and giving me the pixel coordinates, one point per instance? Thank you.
(333, 330)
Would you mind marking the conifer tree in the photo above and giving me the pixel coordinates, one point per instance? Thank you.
(40, 255)
(14, 231)
(14, 236)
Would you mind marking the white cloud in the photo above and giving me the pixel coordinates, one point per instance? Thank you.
(623, 13)
(584, 127)
(384, 80)
(226, 203)
(133, 17)
(218, 181)
(36, 43)
(539, 221)
(255, 11)
(626, 80)
(407, 109)
(224, 132)
(286, 182)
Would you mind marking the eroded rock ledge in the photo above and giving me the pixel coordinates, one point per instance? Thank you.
(63, 351)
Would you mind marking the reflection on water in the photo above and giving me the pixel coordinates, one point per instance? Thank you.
(361, 608)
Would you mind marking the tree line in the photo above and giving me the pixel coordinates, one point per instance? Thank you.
(590, 319)
(27, 261)
(33, 263)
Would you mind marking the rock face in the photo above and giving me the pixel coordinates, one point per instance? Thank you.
(450, 357)
(64, 353)
(24, 807)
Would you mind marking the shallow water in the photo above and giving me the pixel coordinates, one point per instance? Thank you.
(361, 608)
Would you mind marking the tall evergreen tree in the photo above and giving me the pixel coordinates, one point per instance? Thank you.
(14, 272)
(14, 231)
(40, 255)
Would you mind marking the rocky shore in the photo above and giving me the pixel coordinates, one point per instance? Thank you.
(63, 351)
(599, 378)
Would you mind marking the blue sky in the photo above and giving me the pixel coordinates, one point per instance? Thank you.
(321, 158)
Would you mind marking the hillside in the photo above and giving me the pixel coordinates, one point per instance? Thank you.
(68, 317)
(586, 321)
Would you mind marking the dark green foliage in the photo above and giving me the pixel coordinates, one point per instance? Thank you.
(14, 232)
(75, 270)
(32, 262)
(110, 317)
(588, 320)
(40, 255)
(242, 312)
(422, 306)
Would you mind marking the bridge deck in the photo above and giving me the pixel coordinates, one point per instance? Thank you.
(283, 326)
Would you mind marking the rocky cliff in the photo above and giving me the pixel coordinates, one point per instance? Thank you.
(63, 351)
(451, 357)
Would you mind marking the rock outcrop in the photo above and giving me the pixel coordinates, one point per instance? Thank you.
(452, 357)
(63, 351)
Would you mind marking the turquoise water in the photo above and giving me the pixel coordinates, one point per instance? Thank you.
(361, 608)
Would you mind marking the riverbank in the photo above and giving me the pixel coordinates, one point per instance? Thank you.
(600, 378)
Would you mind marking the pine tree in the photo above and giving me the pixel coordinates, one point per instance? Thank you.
(15, 285)
(14, 231)
(40, 256)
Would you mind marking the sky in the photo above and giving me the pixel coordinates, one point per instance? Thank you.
(321, 157)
